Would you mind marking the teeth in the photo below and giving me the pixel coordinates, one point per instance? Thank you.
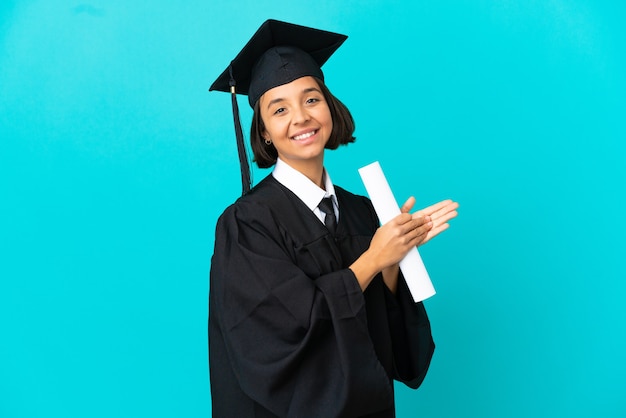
(304, 136)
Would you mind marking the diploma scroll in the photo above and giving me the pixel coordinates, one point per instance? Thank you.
(386, 207)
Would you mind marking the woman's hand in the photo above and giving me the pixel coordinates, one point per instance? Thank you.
(396, 238)
(440, 214)
(389, 245)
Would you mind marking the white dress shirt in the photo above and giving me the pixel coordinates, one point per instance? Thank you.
(305, 189)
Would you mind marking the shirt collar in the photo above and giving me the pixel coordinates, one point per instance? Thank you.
(301, 186)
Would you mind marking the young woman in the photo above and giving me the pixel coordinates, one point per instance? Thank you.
(309, 315)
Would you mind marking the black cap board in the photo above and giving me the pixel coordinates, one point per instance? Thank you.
(278, 53)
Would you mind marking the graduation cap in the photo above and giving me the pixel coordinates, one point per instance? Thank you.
(278, 53)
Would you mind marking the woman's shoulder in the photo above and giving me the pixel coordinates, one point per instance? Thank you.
(268, 193)
(346, 197)
(264, 199)
(346, 194)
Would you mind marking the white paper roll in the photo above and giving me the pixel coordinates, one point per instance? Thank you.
(387, 208)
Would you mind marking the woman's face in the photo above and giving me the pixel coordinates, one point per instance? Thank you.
(297, 120)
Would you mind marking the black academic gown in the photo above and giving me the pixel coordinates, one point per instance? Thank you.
(291, 334)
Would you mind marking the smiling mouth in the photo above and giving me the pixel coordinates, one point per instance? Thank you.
(304, 136)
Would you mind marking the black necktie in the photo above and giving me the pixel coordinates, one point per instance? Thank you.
(326, 206)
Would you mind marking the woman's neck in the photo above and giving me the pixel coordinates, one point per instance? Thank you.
(313, 170)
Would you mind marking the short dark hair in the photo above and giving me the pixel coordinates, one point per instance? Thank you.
(343, 129)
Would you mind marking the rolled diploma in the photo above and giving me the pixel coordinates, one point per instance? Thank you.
(386, 207)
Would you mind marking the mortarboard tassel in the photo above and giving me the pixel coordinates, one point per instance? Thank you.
(241, 147)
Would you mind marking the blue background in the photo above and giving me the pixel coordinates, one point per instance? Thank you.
(115, 163)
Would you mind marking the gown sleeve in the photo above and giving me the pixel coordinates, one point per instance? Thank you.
(297, 345)
(411, 338)
(409, 329)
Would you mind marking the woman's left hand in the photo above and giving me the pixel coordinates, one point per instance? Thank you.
(440, 214)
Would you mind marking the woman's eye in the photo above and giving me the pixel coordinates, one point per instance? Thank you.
(279, 110)
(312, 100)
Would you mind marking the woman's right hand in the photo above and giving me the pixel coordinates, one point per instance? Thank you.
(396, 238)
(390, 244)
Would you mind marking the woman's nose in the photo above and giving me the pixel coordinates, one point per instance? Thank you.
(300, 115)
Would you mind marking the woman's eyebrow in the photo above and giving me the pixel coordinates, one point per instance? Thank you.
(310, 89)
(271, 102)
